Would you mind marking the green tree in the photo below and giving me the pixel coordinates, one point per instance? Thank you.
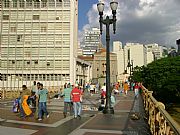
(162, 77)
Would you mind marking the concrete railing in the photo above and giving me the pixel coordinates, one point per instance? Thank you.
(159, 120)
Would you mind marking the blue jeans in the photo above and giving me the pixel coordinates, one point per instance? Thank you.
(136, 92)
(42, 109)
(66, 104)
(77, 108)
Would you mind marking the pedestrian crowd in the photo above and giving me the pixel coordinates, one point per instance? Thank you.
(72, 95)
(37, 97)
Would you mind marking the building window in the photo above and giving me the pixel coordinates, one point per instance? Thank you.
(13, 61)
(5, 17)
(28, 4)
(36, 4)
(36, 62)
(35, 17)
(19, 38)
(21, 4)
(14, 4)
(27, 42)
(43, 29)
(48, 63)
(43, 4)
(28, 62)
(6, 3)
(13, 29)
(57, 18)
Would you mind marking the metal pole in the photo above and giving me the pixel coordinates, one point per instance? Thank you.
(108, 109)
(130, 75)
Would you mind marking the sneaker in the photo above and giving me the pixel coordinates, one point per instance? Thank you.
(75, 117)
(79, 116)
(47, 116)
(39, 119)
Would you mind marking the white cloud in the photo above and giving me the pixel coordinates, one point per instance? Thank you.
(144, 21)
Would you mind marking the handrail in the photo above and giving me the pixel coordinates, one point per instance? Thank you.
(159, 120)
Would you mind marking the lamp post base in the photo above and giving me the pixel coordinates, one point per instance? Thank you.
(108, 110)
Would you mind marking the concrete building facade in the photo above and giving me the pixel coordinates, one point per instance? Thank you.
(91, 41)
(132, 52)
(99, 67)
(155, 49)
(119, 51)
(38, 42)
(136, 52)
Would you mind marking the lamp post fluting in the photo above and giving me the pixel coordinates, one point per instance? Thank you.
(108, 108)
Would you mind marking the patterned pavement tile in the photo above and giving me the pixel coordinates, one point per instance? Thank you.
(107, 122)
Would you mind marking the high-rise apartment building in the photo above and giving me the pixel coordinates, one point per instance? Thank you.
(91, 41)
(38, 41)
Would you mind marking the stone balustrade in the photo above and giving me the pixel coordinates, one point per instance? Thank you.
(159, 120)
(12, 93)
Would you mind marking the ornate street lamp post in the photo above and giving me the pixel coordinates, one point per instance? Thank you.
(130, 66)
(108, 109)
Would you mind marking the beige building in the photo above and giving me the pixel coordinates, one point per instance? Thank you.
(88, 59)
(83, 71)
(118, 49)
(132, 52)
(135, 52)
(99, 66)
(155, 50)
(38, 42)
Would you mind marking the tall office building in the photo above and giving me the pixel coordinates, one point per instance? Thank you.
(38, 41)
(118, 49)
(156, 49)
(135, 52)
(91, 41)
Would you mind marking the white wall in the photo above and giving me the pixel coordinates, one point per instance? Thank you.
(117, 48)
(150, 57)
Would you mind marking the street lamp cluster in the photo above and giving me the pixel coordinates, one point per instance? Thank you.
(108, 109)
(130, 65)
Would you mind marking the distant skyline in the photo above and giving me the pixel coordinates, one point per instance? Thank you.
(140, 21)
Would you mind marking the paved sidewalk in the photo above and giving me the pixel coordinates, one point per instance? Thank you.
(92, 122)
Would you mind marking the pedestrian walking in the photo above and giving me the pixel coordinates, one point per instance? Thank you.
(76, 96)
(43, 95)
(23, 102)
(33, 94)
(67, 100)
(37, 101)
(113, 100)
(136, 90)
(126, 88)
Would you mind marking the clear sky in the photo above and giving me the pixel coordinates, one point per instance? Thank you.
(84, 6)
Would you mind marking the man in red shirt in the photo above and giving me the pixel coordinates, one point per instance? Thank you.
(76, 96)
